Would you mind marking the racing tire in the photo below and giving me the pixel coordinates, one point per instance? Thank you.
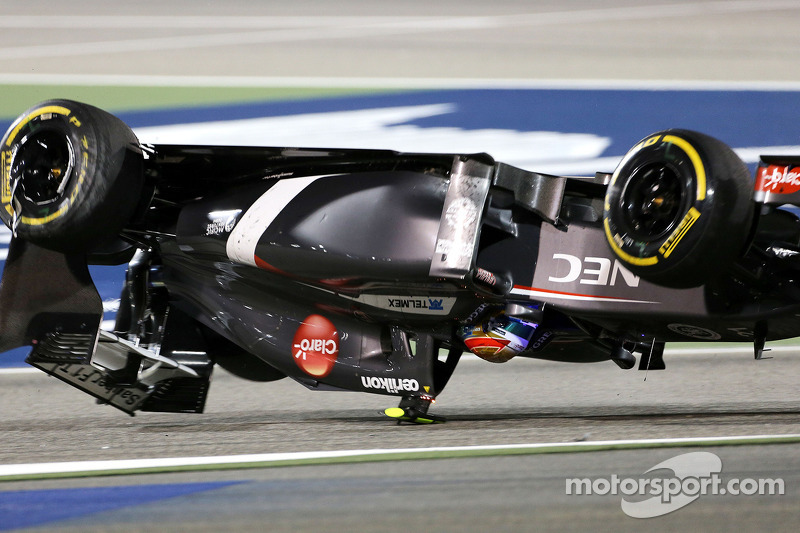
(678, 209)
(71, 176)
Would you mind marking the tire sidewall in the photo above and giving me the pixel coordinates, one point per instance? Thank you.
(711, 225)
(61, 121)
(105, 168)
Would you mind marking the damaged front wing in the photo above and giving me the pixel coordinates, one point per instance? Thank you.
(48, 301)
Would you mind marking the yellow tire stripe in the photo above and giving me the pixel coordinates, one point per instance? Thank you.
(54, 109)
(691, 217)
(6, 178)
(687, 222)
(44, 220)
(28, 221)
(5, 168)
(694, 157)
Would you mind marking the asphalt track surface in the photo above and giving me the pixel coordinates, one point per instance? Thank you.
(547, 39)
(523, 401)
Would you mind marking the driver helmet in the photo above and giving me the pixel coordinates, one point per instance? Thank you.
(498, 338)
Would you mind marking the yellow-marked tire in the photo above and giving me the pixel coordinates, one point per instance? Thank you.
(678, 209)
(70, 176)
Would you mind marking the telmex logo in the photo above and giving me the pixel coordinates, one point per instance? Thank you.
(593, 271)
(421, 303)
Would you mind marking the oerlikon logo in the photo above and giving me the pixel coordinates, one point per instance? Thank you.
(316, 346)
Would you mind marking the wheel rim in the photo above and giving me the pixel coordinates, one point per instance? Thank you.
(41, 166)
(653, 201)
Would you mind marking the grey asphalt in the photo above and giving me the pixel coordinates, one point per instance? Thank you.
(512, 494)
(525, 401)
(522, 401)
(546, 39)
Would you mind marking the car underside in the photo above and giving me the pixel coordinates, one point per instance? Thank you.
(373, 270)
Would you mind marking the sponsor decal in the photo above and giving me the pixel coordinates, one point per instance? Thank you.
(221, 222)
(5, 169)
(98, 383)
(435, 305)
(454, 248)
(461, 213)
(486, 277)
(593, 271)
(780, 179)
(476, 313)
(541, 342)
(390, 385)
(419, 305)
(431, 304)
(316, 346)
(694, 332)
(683, 228)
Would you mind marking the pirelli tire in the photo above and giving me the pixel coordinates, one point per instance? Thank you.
(678, 209)
(71, 176)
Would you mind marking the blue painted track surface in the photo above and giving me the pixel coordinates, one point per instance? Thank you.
(739, 118)
(32, 508)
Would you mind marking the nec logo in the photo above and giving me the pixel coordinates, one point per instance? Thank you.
(594, 271)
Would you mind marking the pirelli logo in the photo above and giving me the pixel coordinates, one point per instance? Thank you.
(5, 176)
(686, 224)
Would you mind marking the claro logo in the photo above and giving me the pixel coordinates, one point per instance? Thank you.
(316, 346)
(592, 271)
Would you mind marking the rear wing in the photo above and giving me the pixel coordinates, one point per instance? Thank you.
(778, 180)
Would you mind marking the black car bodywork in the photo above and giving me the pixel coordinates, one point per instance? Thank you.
(357, 269)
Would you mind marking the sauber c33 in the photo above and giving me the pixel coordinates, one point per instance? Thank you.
(372, 270)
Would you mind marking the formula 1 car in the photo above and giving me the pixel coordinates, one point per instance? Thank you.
(374, 270)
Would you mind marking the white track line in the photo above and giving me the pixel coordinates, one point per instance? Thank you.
(173, 22)
(269, 459)
(433, 22)
(344, 27)
(245, 82)
(20, 370)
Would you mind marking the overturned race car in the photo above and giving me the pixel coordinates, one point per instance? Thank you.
(374, 270)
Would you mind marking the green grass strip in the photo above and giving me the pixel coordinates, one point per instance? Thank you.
(17, 98)
(424, 454)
